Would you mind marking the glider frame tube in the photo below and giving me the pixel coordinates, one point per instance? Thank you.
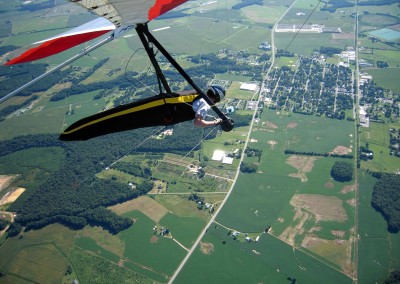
(143, 32)
(58, 67)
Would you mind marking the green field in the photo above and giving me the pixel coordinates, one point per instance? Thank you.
(377, 137)
(306, 243)
(252, 205)
(162, 255)
(378, 249)
(386, 78)
(40, 256)
(183, 229)
(255, 262)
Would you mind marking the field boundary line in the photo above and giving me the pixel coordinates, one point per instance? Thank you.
(187, 193)
(311, 255)
(175, 240)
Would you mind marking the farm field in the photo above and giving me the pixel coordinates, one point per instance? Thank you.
(253, 262)
(318, 215)
(40, 256)
(378, 251)
(289, 222)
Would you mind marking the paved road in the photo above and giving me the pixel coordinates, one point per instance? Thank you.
(237, 170)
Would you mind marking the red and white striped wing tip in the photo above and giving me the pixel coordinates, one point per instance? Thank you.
(64, 41)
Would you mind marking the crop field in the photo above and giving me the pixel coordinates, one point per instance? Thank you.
(179, 205)
(111, 243)
(41, 256)
(391, 56)
(32, 165)
(315, 212)
(301, 224)
(374, 20)
(91, 268)
(184, 229)
(386, 77)
(162, 254)
(90, 245)
(302, 133)
(254, 262)
(377, 253)
(49, 121)
(144, 204)
(264, 14)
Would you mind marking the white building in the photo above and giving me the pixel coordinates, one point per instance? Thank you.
(248, 87)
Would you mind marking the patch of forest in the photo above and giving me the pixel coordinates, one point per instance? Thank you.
(386, 200)
(332, 5)
(73, 195)
(245, 3)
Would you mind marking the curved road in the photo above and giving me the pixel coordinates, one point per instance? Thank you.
(241, 159)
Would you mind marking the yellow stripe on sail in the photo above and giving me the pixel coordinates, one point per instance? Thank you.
(173, 100)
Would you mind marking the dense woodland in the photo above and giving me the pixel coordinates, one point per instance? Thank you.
(394, 277)
(342, 171)
(386, 199)
(72, 195)
(332, 5)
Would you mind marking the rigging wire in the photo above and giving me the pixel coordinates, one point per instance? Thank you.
(126, 71)
(298, 31)
(154, 132)
(201, 140)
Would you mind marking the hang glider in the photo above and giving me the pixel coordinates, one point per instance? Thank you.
(117, 17)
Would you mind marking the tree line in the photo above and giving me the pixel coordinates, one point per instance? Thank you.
(293, 152)
(72, 194)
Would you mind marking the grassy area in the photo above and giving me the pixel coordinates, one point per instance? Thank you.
(90, 245)
(281, 179)
(378, 252)
(40, 256)
(93, 269)
(179, 205)
(183, 229)
(391, 56)
(160, 253)
(49, 121)
(377, 137)
(262, 199)
(387, 78)
(234, 92)
(254, 262)
(33, 165)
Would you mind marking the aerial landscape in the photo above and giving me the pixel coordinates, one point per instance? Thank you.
(304, 189)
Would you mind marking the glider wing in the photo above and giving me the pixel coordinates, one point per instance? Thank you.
(129, 12)
(113, 13)
(64, 41)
